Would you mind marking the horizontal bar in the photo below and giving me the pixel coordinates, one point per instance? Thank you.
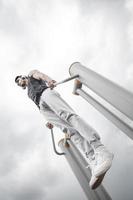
(66, 80)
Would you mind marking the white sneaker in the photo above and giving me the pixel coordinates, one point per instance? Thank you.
(103, 161)
(96, 181)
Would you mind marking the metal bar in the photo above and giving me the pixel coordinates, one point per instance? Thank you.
(117, 96)
(54, 147)
(78, 165)
(107, 113)
(67, 79)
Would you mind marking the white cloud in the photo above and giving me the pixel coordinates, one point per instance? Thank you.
(50, 35)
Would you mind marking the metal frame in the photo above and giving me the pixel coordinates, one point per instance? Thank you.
(54, 146)
(112, 93)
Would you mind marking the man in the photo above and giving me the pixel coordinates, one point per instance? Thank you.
(57, 112)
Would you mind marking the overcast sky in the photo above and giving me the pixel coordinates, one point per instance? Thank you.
(49, 35)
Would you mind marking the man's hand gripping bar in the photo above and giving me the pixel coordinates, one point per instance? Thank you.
(64, 81)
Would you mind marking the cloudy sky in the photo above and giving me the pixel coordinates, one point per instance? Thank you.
(49, 35)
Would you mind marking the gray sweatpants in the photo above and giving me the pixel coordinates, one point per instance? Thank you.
(60, 114)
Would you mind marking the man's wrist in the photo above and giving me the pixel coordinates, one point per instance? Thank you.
(51, 81)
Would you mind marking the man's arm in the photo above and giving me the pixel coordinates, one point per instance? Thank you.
(40, 76)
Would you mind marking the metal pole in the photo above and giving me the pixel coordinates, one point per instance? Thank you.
(78, 165)
(107, 113)
(66, 80)
(54, 147)
(117, 96)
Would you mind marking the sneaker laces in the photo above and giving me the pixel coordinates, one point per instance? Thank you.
(91, 162)
(101, 153)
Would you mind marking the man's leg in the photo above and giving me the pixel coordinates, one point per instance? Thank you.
(66, 113)
(78, 140)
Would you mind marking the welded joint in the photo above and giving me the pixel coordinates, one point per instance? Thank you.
(65, 140)
(77, 85)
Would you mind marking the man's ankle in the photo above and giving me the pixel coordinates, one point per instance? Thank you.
(96, 144)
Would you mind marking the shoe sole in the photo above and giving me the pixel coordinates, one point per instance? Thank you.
(98, 181)
(104, 168)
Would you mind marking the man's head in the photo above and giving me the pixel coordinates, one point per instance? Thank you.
(22, 81)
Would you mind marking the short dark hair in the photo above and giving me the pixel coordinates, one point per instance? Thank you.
(17, 77)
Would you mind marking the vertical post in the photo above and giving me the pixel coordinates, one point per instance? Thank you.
(78, 165)
(117, 96)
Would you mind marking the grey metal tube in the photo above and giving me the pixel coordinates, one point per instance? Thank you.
(54, 147)
(66, 80)
(117, 96)
(78, 165)
(107, 113)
